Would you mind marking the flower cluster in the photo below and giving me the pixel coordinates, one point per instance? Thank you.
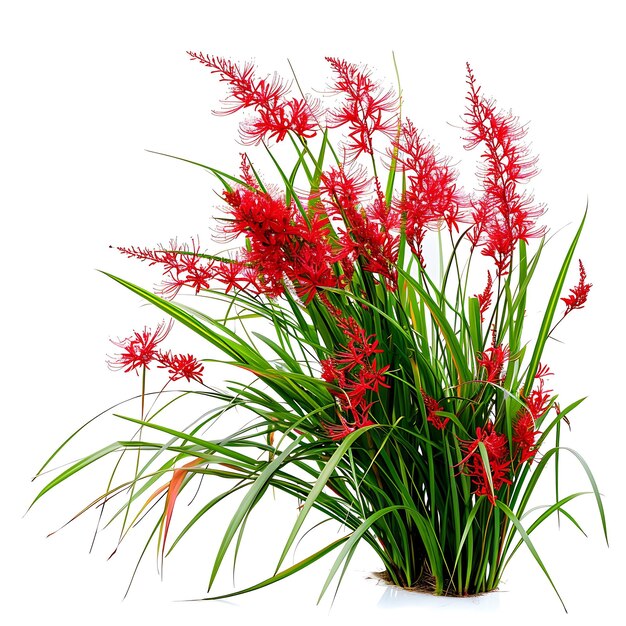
(502, 215)
(355, 377)
(275, 114)
(433, 409)
(487, 479)
(578, 294)
(431, 197)
(535, 406)
(140, 350)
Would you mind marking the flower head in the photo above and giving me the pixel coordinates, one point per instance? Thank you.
(498, 470)
(275, 115)
(181, 366)
(432, 407)
(578, 294)
(504, 214)
(366, 108)
(140, 349)
(492, 360)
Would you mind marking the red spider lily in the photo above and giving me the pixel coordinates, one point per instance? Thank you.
(543, 371)
(431, 196)
(432, 407)
(182, 266)
(484, 298)
(140, 349)
(525, 436)
(499, 462)
(361, 419)
(344, 188)
(296, 115)
(356, 375)
(181, 366)
(366, 107)
(538, 400)
(275, 116)
(493, 359)
(233, 275)
(503, 215)
(578, 294)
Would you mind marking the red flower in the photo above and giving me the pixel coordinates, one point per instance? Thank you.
(432, 407)
(538, 401)
(493, 360)
(497, 474)
(431, 197)
(356, 376)
(183, 266)
(276, 116)
(344, 188)
(578, 294)
(140, 349)
(503, 215)
(366, 108)
(360, 417)
(524, 436)
(181, 366)
(484, 298)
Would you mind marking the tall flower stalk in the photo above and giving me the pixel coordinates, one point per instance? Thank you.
(383, 395)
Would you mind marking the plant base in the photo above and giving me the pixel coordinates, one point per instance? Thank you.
(425, 585)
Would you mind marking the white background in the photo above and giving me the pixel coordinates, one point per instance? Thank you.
(86, 87)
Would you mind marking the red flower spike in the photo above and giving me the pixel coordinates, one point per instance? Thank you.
(366, 108)
(140, 349)
(182, 266)
(503, 215)
(538, 401)
(431, 197)
(355, 373)
(484, 298)
(276, 116)
(578, 294)
(432, 406)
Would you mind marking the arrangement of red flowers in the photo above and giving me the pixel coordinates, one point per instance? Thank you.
(395, 393)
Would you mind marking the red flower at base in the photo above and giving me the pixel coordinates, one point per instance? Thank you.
(497, 474)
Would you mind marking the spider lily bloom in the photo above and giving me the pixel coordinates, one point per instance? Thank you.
(275, 115)
(484, 298)
(432, 406)
(578, 294)
(140, 349)
(431, 197)
(356, 376)
(181, 366)
(503, 215)
(360, 415)
(183, 266)
(492, 360)
(525, 436)
(366, 108)
(498, 472)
